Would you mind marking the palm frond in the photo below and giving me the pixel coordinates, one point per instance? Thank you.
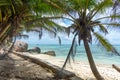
(85, 10)
(72, 52)
(79, 38)
(59, 39)
(4, 3)
(105, 43)
(36, 19)
(40, 33)
(60, 8)
(1, 16)
(67, 30)
(102, 28)
(57, 27)
(100, 7)
(112, 24)
(113, 16)
(46, 24)
(116, 6)
(13, 7)
(70, 29)
(4, 31)
(41, 7)
(19, 36)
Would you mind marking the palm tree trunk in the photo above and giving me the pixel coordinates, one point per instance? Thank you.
(12, 45)
(91, 61)
(9, 50)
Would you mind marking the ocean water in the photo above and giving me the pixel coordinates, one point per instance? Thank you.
(100, 55)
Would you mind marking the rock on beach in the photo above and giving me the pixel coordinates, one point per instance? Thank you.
(52, 53)
(35, 49)
(20, 46)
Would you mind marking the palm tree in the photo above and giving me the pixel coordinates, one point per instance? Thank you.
(11, 14)
(18, 16)
(86, 23)
(27, 12)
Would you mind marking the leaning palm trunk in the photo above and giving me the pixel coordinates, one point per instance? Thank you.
(91, 61)
(6, 53)
(11, 47)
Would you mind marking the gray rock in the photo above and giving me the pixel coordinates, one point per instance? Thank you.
(52, 53)
(35, 49)
(20, 46)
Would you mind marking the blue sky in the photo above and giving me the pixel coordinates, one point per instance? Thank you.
(46, 39)
(113, 36)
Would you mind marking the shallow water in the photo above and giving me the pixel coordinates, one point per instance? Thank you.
(100, 55)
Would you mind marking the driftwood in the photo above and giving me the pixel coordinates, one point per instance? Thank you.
(55, 69)
(116, 67)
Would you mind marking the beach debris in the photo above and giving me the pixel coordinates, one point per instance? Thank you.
(20, 46)
(116, 67)
(35, 49)
(52, 53)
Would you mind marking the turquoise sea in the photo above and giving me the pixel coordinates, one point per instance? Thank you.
(100, 55)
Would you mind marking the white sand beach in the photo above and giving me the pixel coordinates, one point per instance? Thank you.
(81, 69)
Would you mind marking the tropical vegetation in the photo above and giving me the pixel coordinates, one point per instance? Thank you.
(16, 16)
(88, 17)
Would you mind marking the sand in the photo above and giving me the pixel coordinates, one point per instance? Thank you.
(13, 67)
(81, 69)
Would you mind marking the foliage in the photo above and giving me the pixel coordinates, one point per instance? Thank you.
(19, 15)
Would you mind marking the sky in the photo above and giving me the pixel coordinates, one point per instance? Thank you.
(47, 39)
(113, 37)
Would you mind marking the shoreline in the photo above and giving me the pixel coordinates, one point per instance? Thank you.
(99, 55)
(96, 61)
(81, 69)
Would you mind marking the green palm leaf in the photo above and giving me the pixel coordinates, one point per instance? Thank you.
(71, 53)
(112, 24)
(113, 16)
(4, 3)
(100, 7)
(105, 43)
(102, 28)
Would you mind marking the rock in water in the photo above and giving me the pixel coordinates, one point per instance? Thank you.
(20, 46)
(52, 53)
(35, 49)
